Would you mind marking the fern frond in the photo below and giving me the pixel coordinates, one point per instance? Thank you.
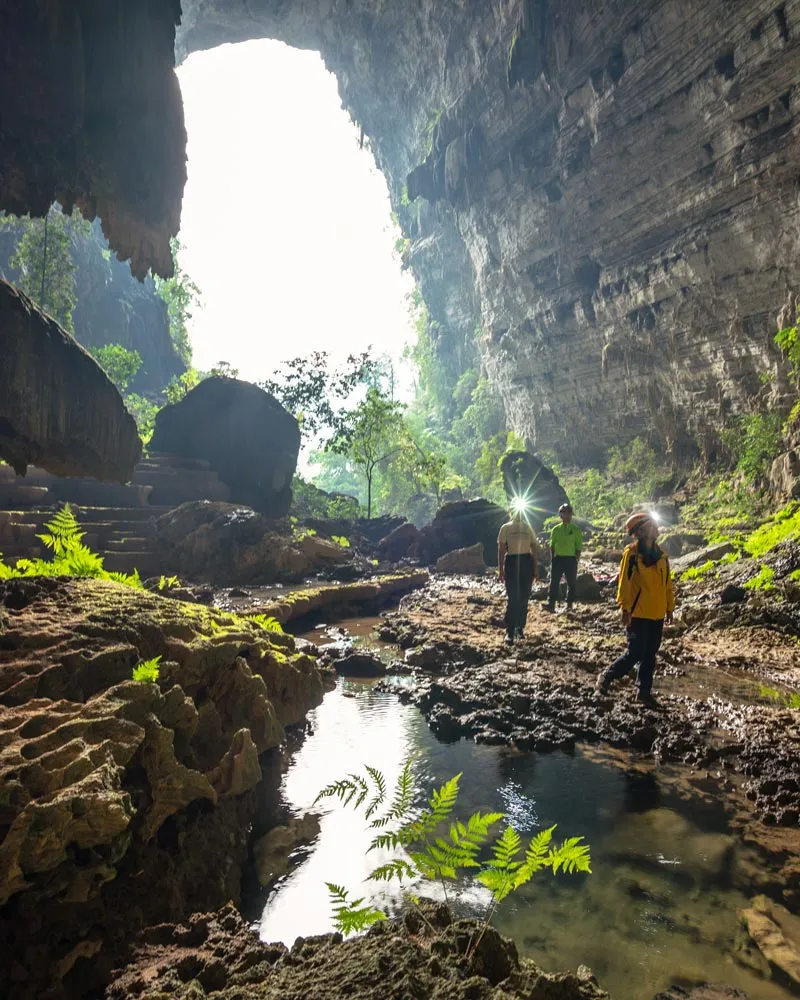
(147, 671)
(63, 532)
(538, 849)
(398, 869)
(349, 915)
(345, 789)
(403, 798)
(505, 849)
(380, 790)
(440, 806)
(572, 856)
(129, 579)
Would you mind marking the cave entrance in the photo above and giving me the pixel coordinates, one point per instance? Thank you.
(286, 223)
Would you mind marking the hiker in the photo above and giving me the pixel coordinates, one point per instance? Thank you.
(565, 550)
(517, 559)
(647, 600)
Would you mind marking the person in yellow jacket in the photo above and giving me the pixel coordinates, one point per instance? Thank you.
(647, 600)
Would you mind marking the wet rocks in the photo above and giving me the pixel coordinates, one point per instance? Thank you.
(418, 957)
(360, 664)
(272, 852)
(466, 560)
(248, 437)
(732, 594)
(125, 801)
(710, 991)
(777, 934)
(401, 542)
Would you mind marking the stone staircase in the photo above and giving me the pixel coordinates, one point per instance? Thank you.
(118, 519)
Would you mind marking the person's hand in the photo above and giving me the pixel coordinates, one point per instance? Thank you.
(626, 619)
(668, 618)
(501, 575)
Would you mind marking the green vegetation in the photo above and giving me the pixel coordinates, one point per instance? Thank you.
(341, 540)
(697, 572)
(752, 442)
(42, 265)
(181, 297)
(267, 622)
(70, 557)
(432, 845)
(120, 364)
(147, 671)
(784, 698)
(781, 527)
(788, 340)
(168, 583)
(764, 580)
(182, 385)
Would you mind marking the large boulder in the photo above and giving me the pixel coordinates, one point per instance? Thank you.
(403, 541)
(58, 409)
(784, 475)
(461, 524)
(525, 475)
(227, 543)
(244, 432)
(468, 560)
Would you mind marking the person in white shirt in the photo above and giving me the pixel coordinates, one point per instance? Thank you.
(517, 559)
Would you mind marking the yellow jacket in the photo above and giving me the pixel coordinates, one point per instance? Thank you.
(645, 591)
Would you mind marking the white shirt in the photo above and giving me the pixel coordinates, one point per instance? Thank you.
(518, 536)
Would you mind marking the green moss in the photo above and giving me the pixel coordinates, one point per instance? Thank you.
(794, 576)
(731, 557)
(784, 698)
(696, 572)
(783, 526)
(764, 580)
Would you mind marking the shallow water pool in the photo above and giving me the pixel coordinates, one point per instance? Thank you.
(668, 877)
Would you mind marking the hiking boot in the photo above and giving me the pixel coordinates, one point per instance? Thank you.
(549, 607)
(509, 639)
(520, 633)
(646, 698)
(570, 608)
(602, 684)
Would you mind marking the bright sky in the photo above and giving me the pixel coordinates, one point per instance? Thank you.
(286, 222)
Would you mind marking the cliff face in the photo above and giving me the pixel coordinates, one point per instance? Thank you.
(603, 194)
(606, 191)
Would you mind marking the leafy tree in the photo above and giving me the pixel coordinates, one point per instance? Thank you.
(223, 369)
(181, 385)
(369, 435)
(42, 263)
(310, 388)
(181, 297)
(143, 411)
(120, 364)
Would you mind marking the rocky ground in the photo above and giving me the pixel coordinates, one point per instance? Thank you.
(216, 955)
(125, 803)
(712, 713)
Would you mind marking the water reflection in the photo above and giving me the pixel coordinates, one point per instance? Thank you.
(660, 908)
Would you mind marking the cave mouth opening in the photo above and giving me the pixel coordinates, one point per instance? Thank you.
(286, 223)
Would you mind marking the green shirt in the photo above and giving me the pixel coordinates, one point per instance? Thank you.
(566, 539)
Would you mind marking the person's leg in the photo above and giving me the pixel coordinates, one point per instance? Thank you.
(571, 573)
(525, 587)
(511, 567)
(556, 570)
(651, 643)
(625, 663)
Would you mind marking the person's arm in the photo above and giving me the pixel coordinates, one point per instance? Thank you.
(535, 554)
(670, 596)
(552, 544)
(501, 553)
(578, 544)
(624, 598)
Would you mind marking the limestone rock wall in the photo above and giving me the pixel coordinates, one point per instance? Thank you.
(606, 192)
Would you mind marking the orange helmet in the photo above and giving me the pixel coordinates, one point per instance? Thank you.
(637, 520)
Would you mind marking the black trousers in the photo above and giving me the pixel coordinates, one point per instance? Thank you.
(644, 640)
(519, 581)
(563, 566)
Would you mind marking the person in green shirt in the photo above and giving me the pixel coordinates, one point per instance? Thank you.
(565, 548)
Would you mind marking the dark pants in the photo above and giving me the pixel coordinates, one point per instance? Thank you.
(644, 639)
(519, 581)
(563, 566)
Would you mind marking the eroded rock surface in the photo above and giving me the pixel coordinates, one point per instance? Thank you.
(58, 409)
(125, 803)
(216, 955)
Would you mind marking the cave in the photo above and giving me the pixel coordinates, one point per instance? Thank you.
(557, 169)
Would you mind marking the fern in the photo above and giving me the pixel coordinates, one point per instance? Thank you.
(148, 670)
(398, 869)
(380, 790)
(129, 579)
(349, 916)
(168, 582)
(403, 797)
(353, 786)
(501, 874)
(63, 532)
(267, 622)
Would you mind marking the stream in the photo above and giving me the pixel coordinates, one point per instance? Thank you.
(668, 874)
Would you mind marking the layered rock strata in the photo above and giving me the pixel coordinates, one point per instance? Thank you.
(58, 409)
(126, 803)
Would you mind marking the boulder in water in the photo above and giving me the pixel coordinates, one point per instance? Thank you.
(244, 432)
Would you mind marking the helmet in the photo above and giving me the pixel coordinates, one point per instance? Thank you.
(636, 521)
(565, 508)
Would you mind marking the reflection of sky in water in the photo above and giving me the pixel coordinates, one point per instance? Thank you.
(658, 908)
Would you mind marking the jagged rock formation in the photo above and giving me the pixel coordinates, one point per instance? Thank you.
(57, 407)
(605, 191)
(125, 803)
(526, 476)
(248, 437)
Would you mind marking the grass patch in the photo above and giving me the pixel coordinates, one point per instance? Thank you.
(781, 527)
(697, 572)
